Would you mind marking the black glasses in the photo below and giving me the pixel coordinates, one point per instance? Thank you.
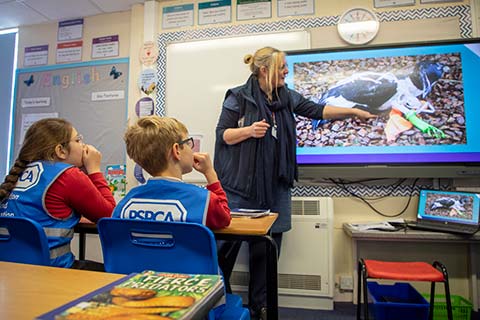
(188, 141)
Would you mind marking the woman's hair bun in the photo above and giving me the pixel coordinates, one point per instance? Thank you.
(248, 59)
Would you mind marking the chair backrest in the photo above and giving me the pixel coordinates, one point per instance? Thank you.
(136, 245)
(23, 240)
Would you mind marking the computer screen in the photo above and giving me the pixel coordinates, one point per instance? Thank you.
(449, 206)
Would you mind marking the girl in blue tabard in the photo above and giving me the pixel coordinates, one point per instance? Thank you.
(56, 180)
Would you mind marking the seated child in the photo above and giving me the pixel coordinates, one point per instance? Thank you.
(161, 146)
(48, 184)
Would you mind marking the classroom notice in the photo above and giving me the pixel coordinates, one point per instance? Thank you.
(149, 293)
(254, 9)
(177, 16)
(35, 56)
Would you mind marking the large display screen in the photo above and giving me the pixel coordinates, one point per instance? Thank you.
(426, 97)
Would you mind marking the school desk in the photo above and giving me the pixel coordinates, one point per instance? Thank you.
(27, 291)
(240, 229)
(410, 242)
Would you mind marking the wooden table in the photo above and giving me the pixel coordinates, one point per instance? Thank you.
(240, 229)
(27, 291)
(251, 226)
(247, 229)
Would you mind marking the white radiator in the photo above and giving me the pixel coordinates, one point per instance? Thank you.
(305, 269)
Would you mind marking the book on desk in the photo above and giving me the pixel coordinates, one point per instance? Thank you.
(249, 213)
(164, 295)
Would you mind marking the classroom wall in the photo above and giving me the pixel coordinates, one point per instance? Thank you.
(134, 28)
(95, 26)
(475, 5)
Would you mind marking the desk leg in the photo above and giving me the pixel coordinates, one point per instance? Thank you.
(474, 258)
(355, 269)
(81, 245)
(272, 278)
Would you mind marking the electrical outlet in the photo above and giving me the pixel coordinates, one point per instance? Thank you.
(346, 283)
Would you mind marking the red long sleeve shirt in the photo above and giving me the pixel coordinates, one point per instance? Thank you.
(218, 214)
(88, 195)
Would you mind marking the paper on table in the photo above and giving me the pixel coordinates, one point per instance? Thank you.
(379, 225)
(251, 213)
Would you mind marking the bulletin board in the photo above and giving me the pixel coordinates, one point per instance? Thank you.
(91, 95)
(198, 74)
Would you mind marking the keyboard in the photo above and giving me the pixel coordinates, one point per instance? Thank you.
(451, 228)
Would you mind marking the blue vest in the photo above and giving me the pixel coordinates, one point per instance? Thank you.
(165, 200)
(28, 200)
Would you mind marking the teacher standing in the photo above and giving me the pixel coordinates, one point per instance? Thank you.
(255, 153)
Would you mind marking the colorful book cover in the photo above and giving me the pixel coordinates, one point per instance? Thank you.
(147, 295)
(116, 179)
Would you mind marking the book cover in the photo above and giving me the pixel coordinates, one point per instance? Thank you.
(117, 181)
(147, 295)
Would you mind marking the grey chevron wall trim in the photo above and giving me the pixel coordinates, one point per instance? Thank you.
(357, 189)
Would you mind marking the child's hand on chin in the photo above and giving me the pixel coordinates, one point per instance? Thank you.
(91, 159)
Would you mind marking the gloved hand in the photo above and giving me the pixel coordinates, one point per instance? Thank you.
(423, 126)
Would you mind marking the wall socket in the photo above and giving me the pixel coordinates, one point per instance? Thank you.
(346, 283)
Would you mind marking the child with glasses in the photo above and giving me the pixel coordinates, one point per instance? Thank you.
(161, 146)
(55, 180)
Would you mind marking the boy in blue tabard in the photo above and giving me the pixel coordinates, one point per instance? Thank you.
(161, 146)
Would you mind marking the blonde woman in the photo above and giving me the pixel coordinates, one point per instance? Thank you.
(255, 151)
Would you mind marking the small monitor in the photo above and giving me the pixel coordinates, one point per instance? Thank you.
(449, 207)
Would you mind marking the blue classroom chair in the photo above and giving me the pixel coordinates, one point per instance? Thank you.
(136, 245)
(24, 241)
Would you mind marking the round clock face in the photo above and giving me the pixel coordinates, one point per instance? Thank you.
(358, 26)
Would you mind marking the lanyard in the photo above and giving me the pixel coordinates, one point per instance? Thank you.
(274, 128)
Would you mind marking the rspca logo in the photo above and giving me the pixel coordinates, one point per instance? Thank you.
(150, 209)
(30, 177)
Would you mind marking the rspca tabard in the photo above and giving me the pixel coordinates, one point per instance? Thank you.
(29, 177)
(151, 209)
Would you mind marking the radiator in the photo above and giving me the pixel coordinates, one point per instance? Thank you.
(305, 268)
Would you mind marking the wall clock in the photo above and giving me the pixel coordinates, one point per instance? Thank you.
(358, 26)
